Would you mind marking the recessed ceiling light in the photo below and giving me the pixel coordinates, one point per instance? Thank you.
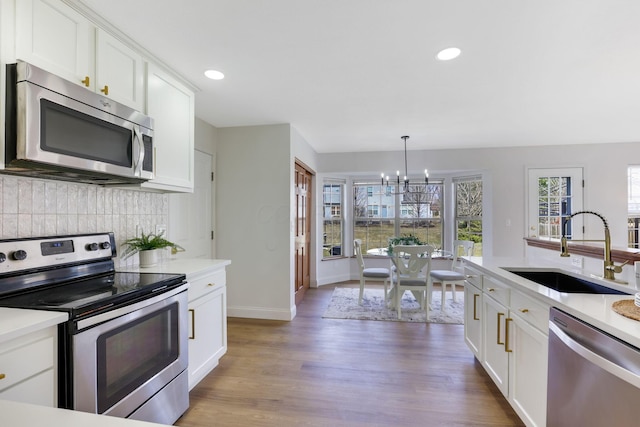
(214, 74)
(449, 53)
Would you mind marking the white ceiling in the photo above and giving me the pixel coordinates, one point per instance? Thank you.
(355, 75)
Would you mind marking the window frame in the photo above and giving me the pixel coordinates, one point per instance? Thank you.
(333, 219)
(461, 217)
(390, 213)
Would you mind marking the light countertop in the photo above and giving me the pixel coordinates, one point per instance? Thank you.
(15, 322)
(16, 414)
(186, 266)
(592, 308)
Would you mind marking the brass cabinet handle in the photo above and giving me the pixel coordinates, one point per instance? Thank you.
(105, 90)
(491, 289)
(192, 312)
(470, 276)
(475, 307)
(210, 284)
(524, 310)
(499, 316)
(86, 81)
(506, 335)
(2, 376)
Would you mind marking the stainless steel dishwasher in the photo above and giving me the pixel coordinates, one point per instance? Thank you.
(594, 378)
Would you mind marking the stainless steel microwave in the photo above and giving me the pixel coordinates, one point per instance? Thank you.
(56, 129)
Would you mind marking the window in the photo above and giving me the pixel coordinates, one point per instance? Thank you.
(553, 196)
(378, 214)
(332, 219)
(634, 205)
(468, 215)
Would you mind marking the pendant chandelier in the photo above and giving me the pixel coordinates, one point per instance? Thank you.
(418, 188)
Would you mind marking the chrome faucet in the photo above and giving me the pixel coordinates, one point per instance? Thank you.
(610, 269)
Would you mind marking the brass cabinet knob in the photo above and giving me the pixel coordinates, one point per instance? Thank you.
(86, 81)
(524, 310)
(105, 90)
(2, 376)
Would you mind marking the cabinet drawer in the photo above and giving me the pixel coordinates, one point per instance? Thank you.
(204, 284)
(25, 357)
(473, 276)
(496, 290)
(533, 311)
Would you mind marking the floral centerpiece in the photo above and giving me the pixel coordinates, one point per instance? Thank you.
(147, 245)
(407, 239)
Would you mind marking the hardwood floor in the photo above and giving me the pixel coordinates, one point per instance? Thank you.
(330, 372)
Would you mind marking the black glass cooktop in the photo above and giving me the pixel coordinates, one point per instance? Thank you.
(93, 293)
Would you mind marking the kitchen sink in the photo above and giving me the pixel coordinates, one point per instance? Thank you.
(562, 282)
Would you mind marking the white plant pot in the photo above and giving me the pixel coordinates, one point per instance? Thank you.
(149, 258)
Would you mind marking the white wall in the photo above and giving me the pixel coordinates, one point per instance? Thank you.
(504, 171)
(253, 205)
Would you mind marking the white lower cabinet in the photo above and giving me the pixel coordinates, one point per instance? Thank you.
(528, 371)
(28, 368)
(509, 336)
(207, 323)
(473, 313)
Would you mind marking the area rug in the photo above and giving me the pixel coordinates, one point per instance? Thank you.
(344, 305)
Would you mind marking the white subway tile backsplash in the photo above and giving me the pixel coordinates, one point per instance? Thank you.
(25, 196)
(62, 198)
(10, 226)
(38, 199)
(33, 208)
(10, 195)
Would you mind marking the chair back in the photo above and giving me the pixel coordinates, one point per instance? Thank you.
(410, 260)
(461, 248)
(357, 246)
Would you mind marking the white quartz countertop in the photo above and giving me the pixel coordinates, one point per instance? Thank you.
(594, 309)
(15, 322)
(17, 414)
(188, 266)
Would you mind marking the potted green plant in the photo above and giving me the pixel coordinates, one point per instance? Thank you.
(148, 245)
(407, 239)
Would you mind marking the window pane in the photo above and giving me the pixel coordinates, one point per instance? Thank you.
(380, 213)
(468, 195)
(634, 206)
(333, 222)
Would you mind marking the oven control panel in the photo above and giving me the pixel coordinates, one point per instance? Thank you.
(29, 253)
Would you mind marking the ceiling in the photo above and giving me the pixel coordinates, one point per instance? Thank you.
(355, 75)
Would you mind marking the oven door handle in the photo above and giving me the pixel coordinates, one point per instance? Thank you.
(112, 314)
(593, 357)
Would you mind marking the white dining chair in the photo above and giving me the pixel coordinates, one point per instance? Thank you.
(412, 265)
(455, 276)
(371, 274)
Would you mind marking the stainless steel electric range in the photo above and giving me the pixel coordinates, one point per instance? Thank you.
(123, 351)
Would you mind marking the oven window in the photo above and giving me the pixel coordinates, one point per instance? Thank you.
(133, 353)
(70, 132)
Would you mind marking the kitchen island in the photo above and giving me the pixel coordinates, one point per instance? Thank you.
(507, 324)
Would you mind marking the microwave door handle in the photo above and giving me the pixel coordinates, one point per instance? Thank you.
(137, 138)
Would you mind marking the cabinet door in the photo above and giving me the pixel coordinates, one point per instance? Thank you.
(170, 104)
(207, 334)
(528, 371)
(53, 36)
(496, 359)
(473, 319)
(119, 71)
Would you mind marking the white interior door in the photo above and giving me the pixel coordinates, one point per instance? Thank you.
(191, 214)
(553, 195)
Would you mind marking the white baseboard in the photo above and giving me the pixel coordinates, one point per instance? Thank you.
(261, 313)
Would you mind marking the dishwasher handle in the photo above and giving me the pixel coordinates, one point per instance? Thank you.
(595, 358)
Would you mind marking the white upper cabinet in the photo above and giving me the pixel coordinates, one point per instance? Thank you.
(171, 105)
(53, 36)
(119, 71)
